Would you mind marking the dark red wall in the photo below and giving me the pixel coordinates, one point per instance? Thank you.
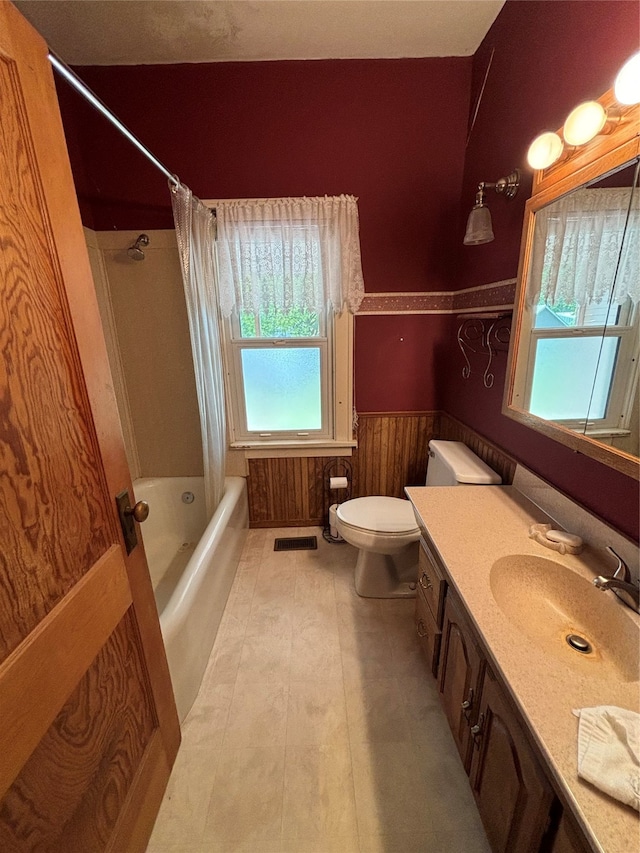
(399, 362)
(391, 132)
(549, 56)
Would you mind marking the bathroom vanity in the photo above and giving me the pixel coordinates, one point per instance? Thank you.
(487, 618)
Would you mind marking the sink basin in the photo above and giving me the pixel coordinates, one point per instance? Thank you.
(549, 602)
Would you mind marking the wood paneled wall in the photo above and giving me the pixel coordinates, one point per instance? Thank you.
(391, 454)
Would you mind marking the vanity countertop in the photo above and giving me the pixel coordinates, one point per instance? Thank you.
(471, 528)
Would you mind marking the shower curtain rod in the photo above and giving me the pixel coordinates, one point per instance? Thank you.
(71, 77)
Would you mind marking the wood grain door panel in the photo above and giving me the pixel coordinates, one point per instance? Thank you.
(460, 677)
(89, 727)
(512, 793)
(70, 792)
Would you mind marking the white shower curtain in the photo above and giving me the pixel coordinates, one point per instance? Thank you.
(195, 233)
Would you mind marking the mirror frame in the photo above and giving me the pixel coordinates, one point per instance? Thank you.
(604, 154)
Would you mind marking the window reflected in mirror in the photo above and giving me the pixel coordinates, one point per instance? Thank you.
(578, 359)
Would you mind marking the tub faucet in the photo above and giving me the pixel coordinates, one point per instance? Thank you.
(620, 579)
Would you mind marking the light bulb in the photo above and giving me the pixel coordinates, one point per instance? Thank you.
(627, 85)
(584, 122)
(544, 150)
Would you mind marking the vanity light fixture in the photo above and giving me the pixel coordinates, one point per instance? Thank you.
(627, 85)
(584, 122)
(544, 150)
(479, 228)
(588, 119)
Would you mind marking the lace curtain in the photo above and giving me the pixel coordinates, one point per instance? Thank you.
(586, 248)
(289, 252)
(195, 235)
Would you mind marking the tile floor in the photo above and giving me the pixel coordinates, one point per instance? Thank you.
(317, 727)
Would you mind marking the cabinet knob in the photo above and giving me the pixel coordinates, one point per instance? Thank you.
(419, 626)
(425, 581)
(476, 731)
(468, 703)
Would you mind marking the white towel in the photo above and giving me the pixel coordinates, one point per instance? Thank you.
(609, 751)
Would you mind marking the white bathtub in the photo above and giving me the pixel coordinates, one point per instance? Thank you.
(192, 566)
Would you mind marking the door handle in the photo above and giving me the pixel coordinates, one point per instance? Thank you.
(128, 514)
(140, 511)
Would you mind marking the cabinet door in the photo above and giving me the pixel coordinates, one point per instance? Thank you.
(568, 838)
(511, 791)
(428, 632)
(431, 581)
(460, 674)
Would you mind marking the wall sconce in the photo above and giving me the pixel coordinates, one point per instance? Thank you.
(587, 120)
(479, 228)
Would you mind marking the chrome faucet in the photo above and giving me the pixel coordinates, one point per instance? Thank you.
(621, 579)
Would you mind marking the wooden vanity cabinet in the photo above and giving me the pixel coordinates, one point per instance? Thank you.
(460, 674)
(428, 632)
(429, 605)
(511, 790)
(517, 802)
(568, 838)
(431, 581)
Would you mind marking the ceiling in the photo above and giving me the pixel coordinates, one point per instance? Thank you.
(141, 32)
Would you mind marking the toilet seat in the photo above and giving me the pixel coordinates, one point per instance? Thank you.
(377, 514)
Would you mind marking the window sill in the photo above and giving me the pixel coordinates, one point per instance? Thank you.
(607, 433)
(278, 449)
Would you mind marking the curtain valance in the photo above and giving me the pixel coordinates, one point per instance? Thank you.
(289, 253)
(586, 248)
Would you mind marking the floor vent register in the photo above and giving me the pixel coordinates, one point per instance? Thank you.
(296, 543)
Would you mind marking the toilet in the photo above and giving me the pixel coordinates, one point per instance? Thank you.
(385, 530)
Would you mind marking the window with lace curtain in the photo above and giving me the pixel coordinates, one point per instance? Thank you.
(289, 278)
(583, 355)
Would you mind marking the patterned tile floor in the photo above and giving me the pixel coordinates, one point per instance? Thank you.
(317, 727)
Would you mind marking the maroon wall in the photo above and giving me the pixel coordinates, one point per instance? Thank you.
(398, 362)
(548, 57)
(391, 132)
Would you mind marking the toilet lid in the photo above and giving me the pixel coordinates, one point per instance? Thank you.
(379, 514)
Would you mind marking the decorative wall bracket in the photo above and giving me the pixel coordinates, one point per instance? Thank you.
(483, 334)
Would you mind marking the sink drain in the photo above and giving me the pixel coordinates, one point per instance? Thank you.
(579, 643)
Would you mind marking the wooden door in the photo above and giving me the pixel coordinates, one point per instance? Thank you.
(89, 728)
(460, 677)
(513, 795)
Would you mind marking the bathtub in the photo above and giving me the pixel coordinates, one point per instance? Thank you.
(192, 566)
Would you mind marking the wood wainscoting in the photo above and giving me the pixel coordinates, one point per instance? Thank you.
(391, 454)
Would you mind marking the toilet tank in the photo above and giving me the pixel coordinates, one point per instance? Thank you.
(451, 463)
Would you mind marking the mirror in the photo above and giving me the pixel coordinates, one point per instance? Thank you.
(575, 349)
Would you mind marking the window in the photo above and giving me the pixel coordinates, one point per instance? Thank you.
(283, 268)
(582, 365)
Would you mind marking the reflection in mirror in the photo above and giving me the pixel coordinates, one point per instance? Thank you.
(583, 289)
(619, 371)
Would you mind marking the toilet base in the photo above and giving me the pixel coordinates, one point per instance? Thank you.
(387, 575)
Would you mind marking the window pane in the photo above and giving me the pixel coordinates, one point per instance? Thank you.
(563, 377)
(561, 314)
(276, 323)
(282, 388)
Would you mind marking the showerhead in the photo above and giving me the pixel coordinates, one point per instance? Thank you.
(135, 252)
